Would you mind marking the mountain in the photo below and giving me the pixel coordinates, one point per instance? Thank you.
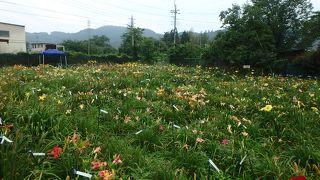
(112, 32)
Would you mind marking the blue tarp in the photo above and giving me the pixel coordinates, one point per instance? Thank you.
(53, 52)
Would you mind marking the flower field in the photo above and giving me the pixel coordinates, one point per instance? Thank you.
(135, 121)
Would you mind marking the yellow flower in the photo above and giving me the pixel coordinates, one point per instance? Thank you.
(59, 102)
(245, 134)
(229, 128)
(314, 109)
(68, 111)
(27, 94)
(42, 97)
(267, 108)
(81, 106)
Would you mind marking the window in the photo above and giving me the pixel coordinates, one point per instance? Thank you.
(4, 33)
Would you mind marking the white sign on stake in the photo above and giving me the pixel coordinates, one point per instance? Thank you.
(242, 160)
(4, 138)
(214, 165)
(175, 107)
(176, 126)
(70, 93)
(83, 174)
(103, 111)
(38, 154)
(0, 121)
(138, 132)
(246, 66)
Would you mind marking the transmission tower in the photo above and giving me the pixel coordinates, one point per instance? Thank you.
(175, 12)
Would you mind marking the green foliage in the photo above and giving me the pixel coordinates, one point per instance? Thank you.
(310, 62)
(222, 116)
(185, 37)
(168, 38)
(131, 42)
(185, 54)
(247, 41)
(286, 19)
(311, 30)
(72, 58)
(256, 32)
(97, 45)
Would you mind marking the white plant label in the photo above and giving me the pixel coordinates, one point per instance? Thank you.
(83, 174)
(175, 107)
(38, 154)
(214, 165)
(138, 132)
(242, 160)
(176, 126)
(246, 66)
(5, 139)
(103, 111)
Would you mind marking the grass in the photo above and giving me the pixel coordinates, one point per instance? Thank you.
(222, 116)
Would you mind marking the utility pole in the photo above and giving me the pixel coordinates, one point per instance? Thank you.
(132, 30)
(89, 45)
(175, 12)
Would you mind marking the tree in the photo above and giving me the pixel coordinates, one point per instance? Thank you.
(98, 45)
(185, 37)
(148, 49)
(286, 19)
(75, 46)
(168, 38)
(131, 41)
(256, 32)
(248, 40)
(311, 31)
(185, 54)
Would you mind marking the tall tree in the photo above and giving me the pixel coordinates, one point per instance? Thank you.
(285, 18)
(131, 41)
(248, 40)
(311, 31)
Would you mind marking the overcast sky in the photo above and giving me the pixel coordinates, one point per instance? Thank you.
(73, 15)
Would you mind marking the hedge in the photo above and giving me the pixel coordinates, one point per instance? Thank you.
(73, 58)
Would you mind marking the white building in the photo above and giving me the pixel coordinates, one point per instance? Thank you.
(39, 47)
(12, 38)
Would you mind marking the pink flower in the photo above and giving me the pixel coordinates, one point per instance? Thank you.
(298, 178)
(225, 142)
(117, 159)
(106, 175)
(199, 140)
(56, 151)
(95, 165)
(162, 128)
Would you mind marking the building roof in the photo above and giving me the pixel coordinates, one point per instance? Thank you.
(12, 24)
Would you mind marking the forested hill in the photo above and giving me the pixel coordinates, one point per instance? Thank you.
(112, 32)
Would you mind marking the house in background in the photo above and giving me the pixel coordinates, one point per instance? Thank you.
(12, 38)
(39, 47)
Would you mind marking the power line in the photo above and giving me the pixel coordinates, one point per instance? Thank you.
(44, 9)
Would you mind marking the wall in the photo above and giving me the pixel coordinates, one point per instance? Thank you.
(17, 39)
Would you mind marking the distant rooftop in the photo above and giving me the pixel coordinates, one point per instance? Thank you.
(12, 24)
